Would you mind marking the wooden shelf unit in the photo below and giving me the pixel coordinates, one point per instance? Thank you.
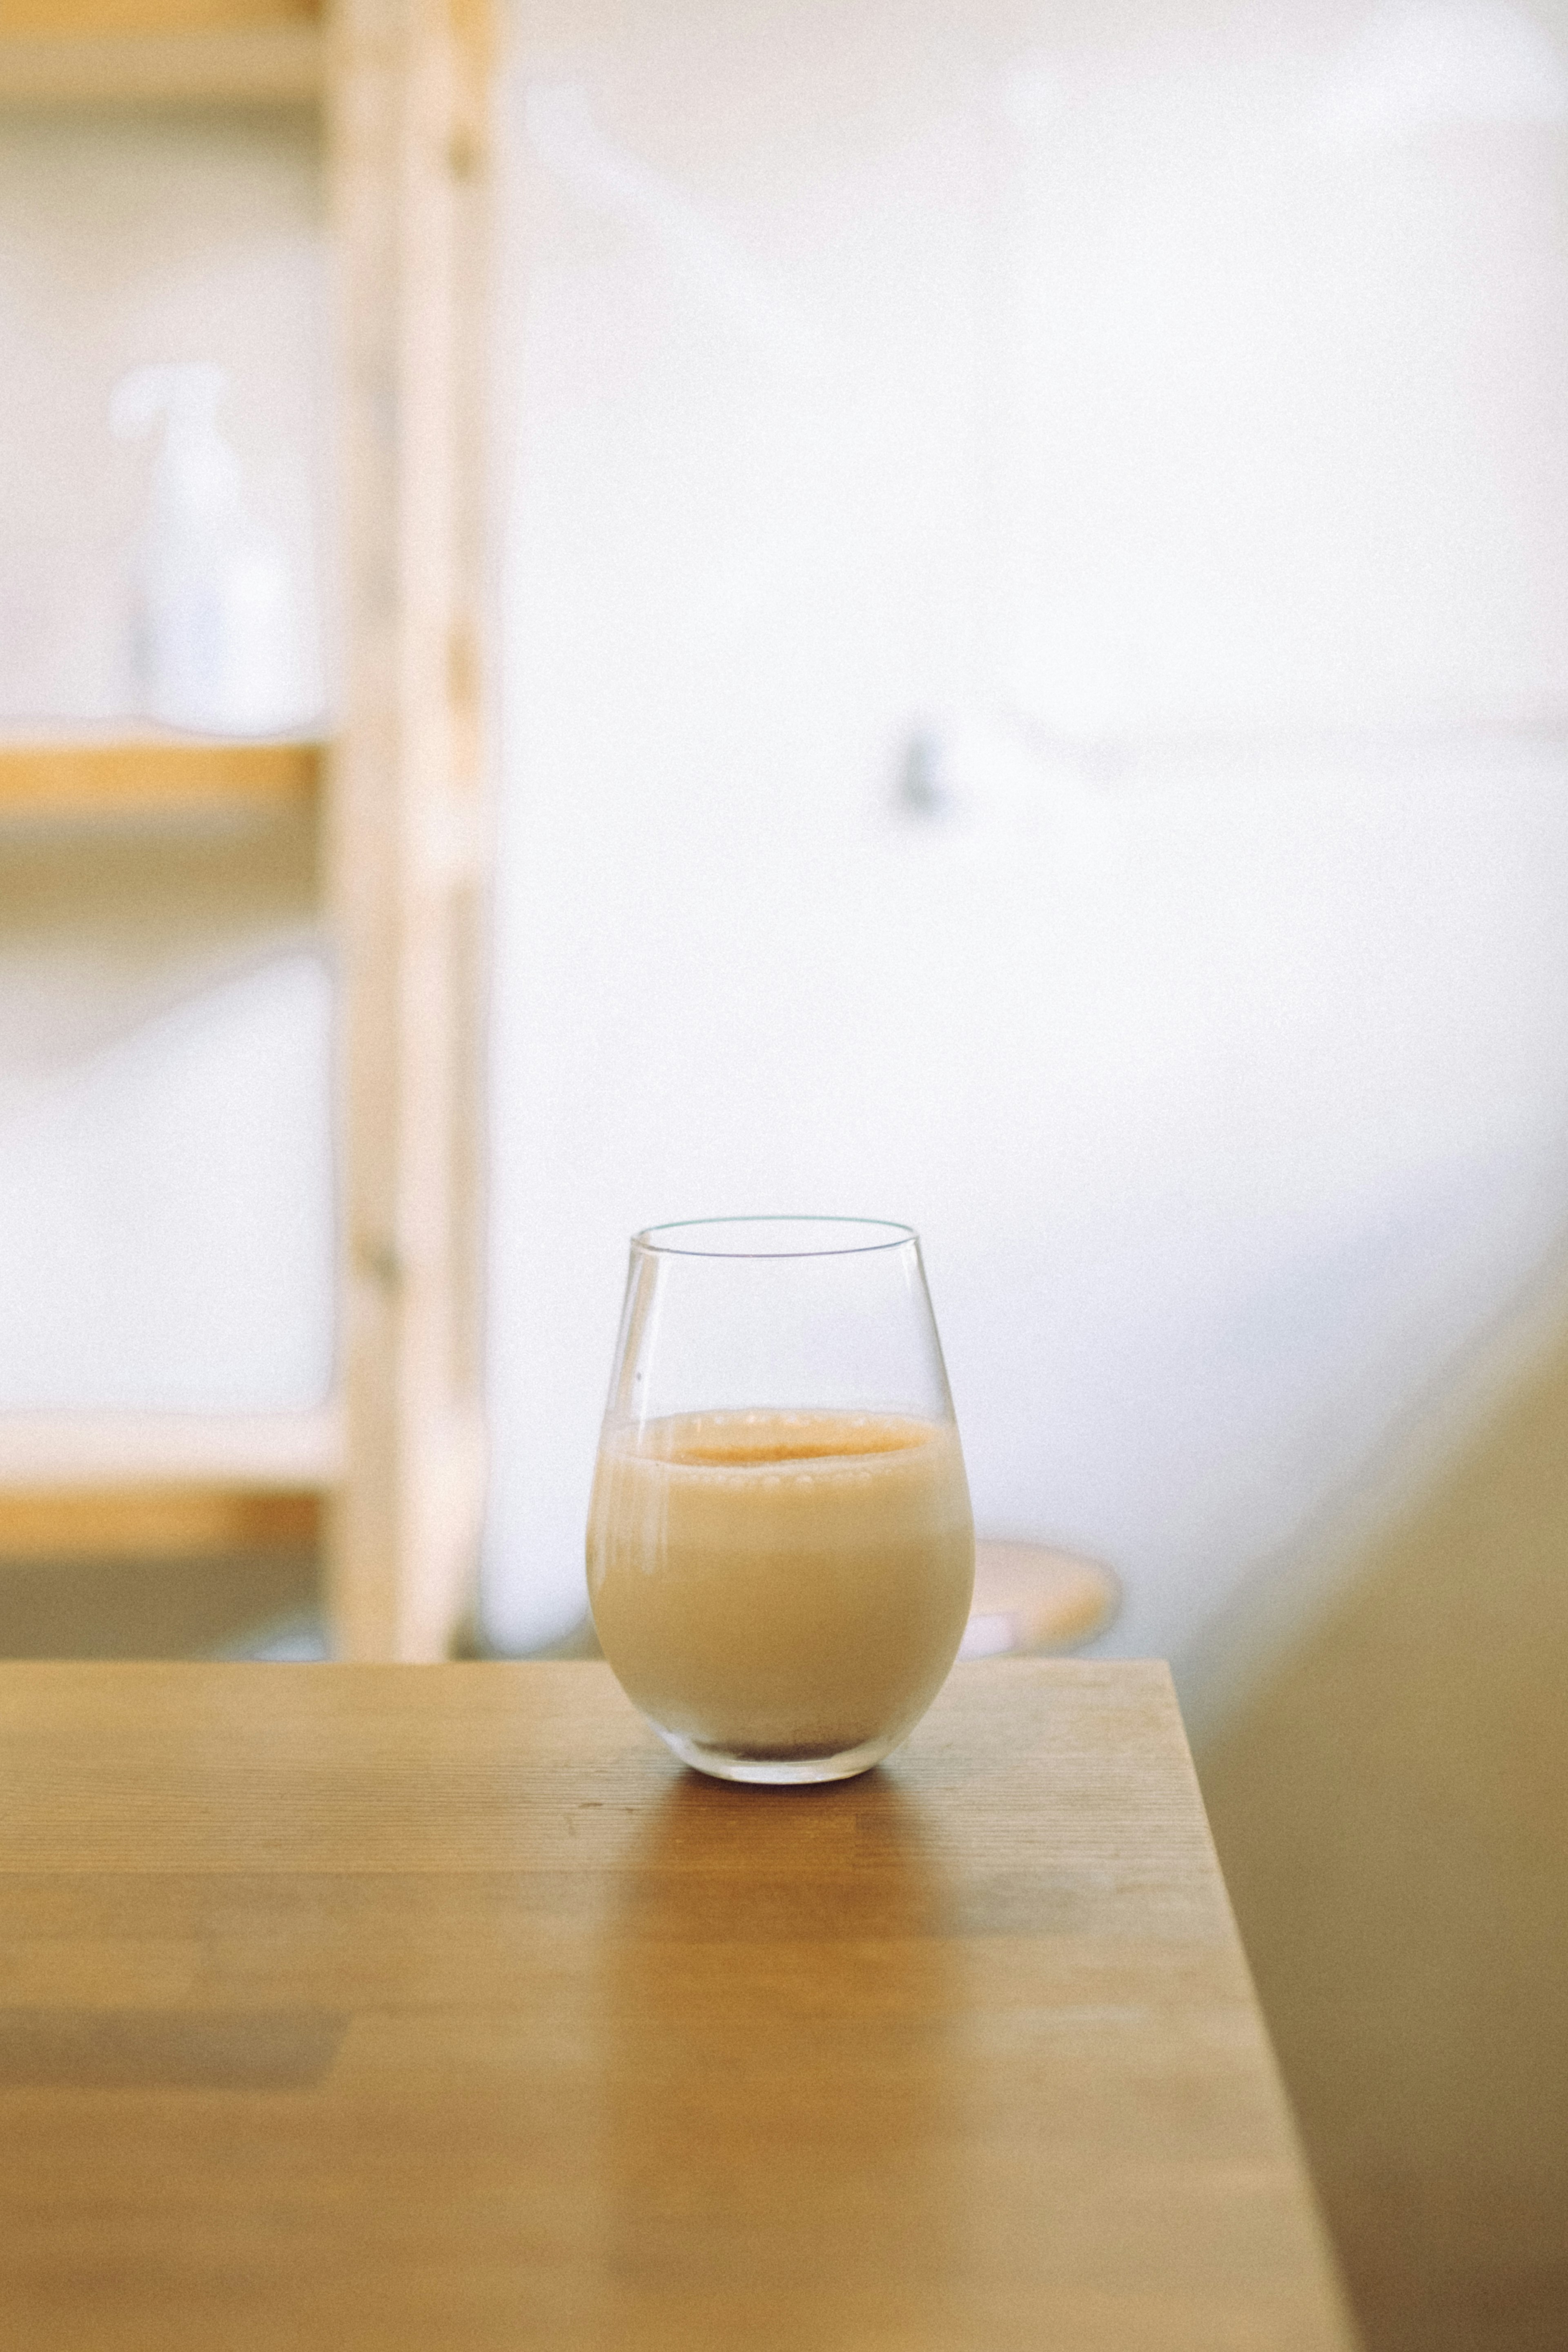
(286, 66)
(120, 53)
(143, 20)
(392, 1472)
(127, 1486)
(164, 1522)
(153, 777)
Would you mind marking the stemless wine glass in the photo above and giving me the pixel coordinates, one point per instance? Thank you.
(780, 1546)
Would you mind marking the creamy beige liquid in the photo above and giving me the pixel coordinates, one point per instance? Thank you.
(782, 1584)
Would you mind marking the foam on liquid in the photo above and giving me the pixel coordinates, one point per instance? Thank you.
(773, 1582)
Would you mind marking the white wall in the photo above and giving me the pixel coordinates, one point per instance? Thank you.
(1162, 411)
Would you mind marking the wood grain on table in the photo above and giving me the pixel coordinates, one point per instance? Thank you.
(363, 2008)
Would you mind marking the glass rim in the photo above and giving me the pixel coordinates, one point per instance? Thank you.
(662, 1241)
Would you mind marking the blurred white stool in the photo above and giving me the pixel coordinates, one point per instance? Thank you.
(1034, 1601)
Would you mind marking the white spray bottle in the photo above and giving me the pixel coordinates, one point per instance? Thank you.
(218, 637)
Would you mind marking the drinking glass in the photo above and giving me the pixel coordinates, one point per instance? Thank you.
(780, 1546)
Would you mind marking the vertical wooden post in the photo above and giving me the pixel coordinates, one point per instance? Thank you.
(408, 112)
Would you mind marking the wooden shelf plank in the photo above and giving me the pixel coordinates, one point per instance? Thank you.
(153, 777)
(130, 19)
(95, 1453)
(265, 64)
(112, 1485)
(161, 1522)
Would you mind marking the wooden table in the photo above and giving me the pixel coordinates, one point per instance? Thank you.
(368, 2008)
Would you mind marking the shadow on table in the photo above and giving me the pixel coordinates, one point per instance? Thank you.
(783, 2007)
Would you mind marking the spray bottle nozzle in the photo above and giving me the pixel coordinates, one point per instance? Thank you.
(196, 478)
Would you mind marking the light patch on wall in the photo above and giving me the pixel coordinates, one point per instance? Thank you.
(1430, 65)
(166, 1212)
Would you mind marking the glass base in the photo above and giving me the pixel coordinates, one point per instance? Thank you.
(797, 1769)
